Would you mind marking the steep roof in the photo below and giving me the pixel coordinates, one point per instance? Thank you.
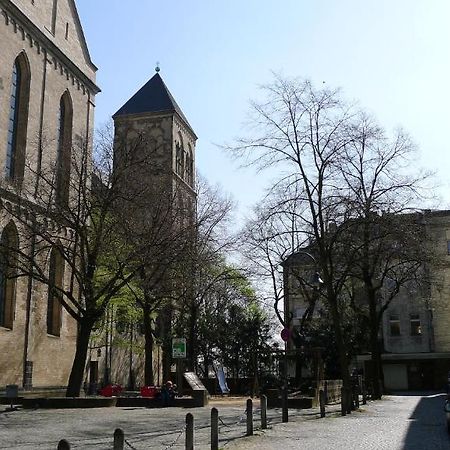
(153, 97)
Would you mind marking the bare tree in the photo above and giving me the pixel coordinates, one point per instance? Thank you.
(384, 237)
(350, 187)
(75, 244)
(302, 132)
(269, 237)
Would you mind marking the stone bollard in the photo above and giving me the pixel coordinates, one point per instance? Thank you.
(119, 439)
(189, 432)
(343, 402)
(263, 412)
(249, 417)
(322, 403)
(284, 405)
(63, 445)
(214, 429)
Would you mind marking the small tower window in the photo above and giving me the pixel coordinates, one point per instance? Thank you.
(190, 167)
(179, 160)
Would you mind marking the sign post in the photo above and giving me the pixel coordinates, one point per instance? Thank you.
(179, 353)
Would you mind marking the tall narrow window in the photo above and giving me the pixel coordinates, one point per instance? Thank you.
(179, 160)
(9, 245)
(64, 150)
(18, 119)
(55, 284)
(190, 167)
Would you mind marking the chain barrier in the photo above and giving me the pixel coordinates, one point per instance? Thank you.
(180, 433)
(241, 418)
(130, 445)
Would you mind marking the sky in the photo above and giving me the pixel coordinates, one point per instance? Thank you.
(391, 56)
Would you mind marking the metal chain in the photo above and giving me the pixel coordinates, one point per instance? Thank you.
(176, 440)
(129, 445)
(241, 418)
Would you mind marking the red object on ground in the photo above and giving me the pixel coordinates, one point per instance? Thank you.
(148, 391)
(111, 390)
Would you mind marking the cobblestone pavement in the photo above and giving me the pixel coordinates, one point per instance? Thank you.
(396, 422)
(413, 422)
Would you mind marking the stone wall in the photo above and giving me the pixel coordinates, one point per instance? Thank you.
(53, 72)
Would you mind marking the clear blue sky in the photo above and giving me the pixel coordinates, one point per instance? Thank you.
(392, 56)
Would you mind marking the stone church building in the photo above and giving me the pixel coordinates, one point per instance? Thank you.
(47, 100)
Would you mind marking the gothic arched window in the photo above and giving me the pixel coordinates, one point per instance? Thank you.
(190, 166)
(55, 284)
(179, 160)
(18, 119)
(63, 156)
(8, 249)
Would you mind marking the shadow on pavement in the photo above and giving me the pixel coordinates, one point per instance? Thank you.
(427, 424)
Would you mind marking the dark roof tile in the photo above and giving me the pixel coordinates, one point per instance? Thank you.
(154, 96)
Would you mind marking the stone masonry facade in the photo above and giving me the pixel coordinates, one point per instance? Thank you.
(48, 37)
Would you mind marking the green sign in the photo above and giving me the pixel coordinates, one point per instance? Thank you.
(179, 348)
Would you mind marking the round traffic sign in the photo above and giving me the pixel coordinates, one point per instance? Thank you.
(285, 334)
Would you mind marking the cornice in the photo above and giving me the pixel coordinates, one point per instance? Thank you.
(157, 115)
(185, 126)
(31, 33)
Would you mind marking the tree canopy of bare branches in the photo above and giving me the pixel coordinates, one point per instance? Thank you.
(336, 171)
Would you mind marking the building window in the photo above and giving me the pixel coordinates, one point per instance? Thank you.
(414, 321)
(179, 161)
(18, 119)
(190, 167)
(55, 284)
(9, 245)
(394, 325)
(64, 150)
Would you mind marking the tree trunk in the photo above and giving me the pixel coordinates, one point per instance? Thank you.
(340, 343)
(148, 364)
(376, 369)
(77, 373)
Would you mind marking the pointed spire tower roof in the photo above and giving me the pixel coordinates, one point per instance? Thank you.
(153, 97)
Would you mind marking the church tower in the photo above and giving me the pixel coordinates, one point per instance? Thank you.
(153, 116)
(154, 146)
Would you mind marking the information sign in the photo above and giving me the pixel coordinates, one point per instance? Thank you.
(179, 348)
